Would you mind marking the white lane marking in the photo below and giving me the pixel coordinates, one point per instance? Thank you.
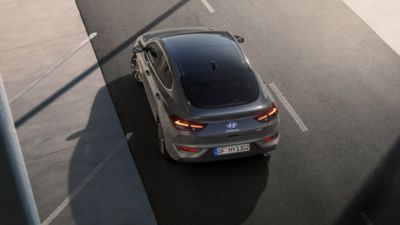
(51, 69)
(365, 218)
(208, 6)
(84, 182)
(288, 107)
(129, 135)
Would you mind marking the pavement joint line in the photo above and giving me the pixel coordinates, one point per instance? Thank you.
(288, 107)
(208, 6)
(55, 66)
(85, 182)
(366, 218)
(42, 41)
(66, 148)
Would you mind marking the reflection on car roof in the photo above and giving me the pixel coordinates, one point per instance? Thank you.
(204, 52)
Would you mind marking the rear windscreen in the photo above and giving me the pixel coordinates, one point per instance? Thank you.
(220, 88)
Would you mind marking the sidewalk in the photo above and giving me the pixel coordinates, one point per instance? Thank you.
(76, 154)
(382, 16)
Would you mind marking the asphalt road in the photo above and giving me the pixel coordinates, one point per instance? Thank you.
(339, 76)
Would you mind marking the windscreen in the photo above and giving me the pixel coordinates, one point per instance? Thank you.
(220, 88)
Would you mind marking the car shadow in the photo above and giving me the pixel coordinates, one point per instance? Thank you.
(378, 200)
(216, 193)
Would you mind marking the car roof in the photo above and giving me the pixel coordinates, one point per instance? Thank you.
(206, 51)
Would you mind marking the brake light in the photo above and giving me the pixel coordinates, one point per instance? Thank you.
(183, 124)
(271, 113)
(187, 149)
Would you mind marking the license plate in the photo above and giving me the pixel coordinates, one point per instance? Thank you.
(232, 149)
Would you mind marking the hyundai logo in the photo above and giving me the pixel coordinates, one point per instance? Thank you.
(231, 125)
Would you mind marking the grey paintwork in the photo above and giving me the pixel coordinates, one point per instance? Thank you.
(172, 101)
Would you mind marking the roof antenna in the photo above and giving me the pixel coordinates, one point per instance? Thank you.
(213, 65)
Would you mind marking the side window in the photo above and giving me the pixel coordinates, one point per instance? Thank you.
(164, 73)
(157, 58)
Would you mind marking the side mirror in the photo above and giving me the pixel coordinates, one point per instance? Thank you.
(137, 49)
(239, 38)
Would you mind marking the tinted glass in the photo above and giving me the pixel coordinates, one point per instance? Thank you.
(220, 88)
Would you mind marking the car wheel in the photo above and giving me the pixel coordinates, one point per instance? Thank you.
(161, 143)
(135, 69)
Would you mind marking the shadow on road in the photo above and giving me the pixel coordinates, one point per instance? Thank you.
(100, 172)
(209, 193)
(379, 198)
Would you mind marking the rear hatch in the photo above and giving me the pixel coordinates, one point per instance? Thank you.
(231, 121)
(227, 101)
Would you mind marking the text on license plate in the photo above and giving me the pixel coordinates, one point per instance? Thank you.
(232, 149)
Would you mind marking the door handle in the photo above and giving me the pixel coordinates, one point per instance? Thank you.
(147, 73)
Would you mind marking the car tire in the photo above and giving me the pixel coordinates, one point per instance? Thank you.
(135, 69)
(161, 143)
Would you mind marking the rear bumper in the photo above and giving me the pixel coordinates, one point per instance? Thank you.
(206, 154)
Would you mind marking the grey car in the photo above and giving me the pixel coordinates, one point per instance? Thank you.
(208, 102)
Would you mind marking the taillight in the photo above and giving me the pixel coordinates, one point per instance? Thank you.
(183, 124)
(187, 149)
(271, 113)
